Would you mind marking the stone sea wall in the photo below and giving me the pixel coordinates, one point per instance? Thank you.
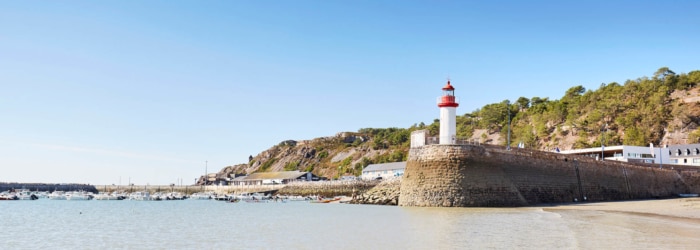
(328, 188)
(385, 193)
(490, 176)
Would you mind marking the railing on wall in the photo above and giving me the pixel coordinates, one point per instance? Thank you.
(458, 141)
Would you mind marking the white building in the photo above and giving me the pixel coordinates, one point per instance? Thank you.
(685, 154)
(624, 153)
(383, 170)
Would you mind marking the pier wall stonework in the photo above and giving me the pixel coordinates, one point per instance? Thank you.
(490, 176)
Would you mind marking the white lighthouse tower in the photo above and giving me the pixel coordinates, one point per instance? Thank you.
(448, 115)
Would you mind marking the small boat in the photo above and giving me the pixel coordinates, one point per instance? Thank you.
(7, 196)
(326, 200)
(687, 195)
(221, 197)
(257, 201)
(25, 194)
(57, 195)
(140, 196)
(78, 196)
(202, 196)
(175, 196)
(114, 196)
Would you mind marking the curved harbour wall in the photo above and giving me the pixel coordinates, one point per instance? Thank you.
(490, 176)
(5, 186)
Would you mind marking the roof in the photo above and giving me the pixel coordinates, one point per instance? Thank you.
(448, 86)
(683, 146)
(593, 150)
(240, 178)
(285, 175)
(385, 166)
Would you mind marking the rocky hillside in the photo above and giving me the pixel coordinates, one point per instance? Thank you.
(663, 109)
(331, 157)
(681, 127)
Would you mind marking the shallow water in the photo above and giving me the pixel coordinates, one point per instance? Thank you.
(190, 224)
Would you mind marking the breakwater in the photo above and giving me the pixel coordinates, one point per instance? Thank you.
(189, 189)
(303, 188)
(328, 188)
(47, 187)
(492, 176)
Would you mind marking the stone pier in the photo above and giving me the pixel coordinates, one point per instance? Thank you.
(492, 176)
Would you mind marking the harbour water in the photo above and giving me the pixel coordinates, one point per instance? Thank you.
(190, 224)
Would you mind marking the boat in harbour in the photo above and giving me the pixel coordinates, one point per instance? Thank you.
(140, 196)
(114, 196)
(25, 194)
(57, 195)
(7, 196)
(78, 196)
(202, 196)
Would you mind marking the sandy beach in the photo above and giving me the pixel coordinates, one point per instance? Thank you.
(647, 224)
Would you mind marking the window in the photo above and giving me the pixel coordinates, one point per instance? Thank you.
(696, 161)
(687, 151)
(678, 152)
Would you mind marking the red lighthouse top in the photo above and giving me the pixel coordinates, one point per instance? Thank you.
(448, 96)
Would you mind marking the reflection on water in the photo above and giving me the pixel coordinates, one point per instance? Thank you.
(211, 224)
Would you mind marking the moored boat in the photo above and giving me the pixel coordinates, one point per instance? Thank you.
(57, 195)
(78, 196)
(25, 194)
(7, 196)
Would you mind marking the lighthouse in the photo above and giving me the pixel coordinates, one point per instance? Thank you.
(448, 115)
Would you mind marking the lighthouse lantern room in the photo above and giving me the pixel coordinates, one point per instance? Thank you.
(448, 115)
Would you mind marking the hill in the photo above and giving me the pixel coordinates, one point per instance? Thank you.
(663, 109)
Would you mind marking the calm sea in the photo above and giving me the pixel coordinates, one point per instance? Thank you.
(191, 224)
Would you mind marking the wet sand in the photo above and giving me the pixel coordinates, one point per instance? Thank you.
(648, 224)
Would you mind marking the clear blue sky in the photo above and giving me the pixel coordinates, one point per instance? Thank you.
(95, 91)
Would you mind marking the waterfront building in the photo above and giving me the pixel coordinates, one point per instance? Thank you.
(271, 178)
(681, 154)
(684, 154)
(625, 153)
(383, 170)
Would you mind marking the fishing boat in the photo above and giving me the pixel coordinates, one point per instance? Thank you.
(687, 195)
